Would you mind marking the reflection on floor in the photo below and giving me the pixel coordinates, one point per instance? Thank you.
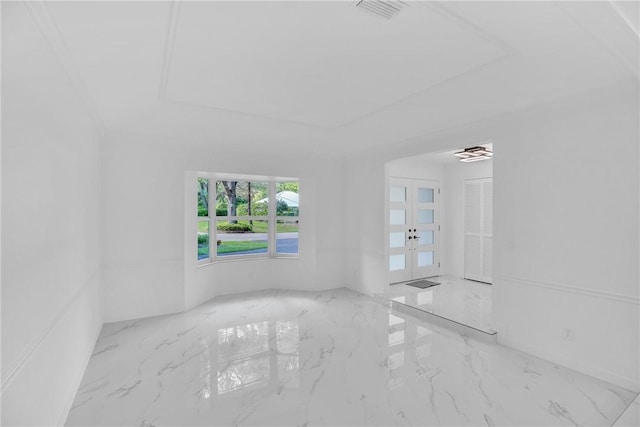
(463, 301)
(332, 358)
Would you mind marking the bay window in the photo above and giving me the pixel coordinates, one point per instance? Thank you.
(247, 217)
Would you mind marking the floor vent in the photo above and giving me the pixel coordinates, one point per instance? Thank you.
(386, 9)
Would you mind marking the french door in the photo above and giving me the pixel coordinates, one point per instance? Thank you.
(413, 229)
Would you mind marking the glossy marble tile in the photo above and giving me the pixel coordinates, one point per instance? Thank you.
(631, 416)
(323, 358)
(463, 301)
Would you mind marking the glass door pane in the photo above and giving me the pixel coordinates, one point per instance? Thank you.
(397, 239)
(398, 194)
(425, 195)
(425, 258)
(397, 262)
(425, 237)
(398, 217)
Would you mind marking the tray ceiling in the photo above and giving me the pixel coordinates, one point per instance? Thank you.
(327, 77)
(313, 63)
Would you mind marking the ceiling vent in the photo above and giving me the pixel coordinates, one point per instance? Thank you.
(386, 9)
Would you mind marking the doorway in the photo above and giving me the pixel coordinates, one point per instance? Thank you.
(462, 229)
(413, 229)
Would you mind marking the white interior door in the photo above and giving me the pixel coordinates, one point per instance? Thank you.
(413, 229)
(478, 229)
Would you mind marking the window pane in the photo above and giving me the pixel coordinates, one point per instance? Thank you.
(397, 217)
(287, 236)
(287, 197)
(397, 194)
(425, 259)
(425, 216)
(203, 197)
(425, 237)
(242, 198)
(425, 195)
(397, 239)
(396, 262)
(242, 237)
(203, 239)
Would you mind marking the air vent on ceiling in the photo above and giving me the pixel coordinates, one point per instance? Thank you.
(384, 8)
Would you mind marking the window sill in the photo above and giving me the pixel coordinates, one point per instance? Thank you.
(206, 263)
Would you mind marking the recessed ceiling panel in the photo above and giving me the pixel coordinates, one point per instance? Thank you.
(317, 63)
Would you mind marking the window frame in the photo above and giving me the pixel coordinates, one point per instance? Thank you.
(271, 217)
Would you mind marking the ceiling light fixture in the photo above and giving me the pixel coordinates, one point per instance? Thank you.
(474, 154)
(384, 8)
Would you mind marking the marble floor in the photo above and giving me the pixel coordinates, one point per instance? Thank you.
(463, 301)
(323, 358)
(630, 417)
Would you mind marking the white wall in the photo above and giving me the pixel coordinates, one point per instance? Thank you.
(51, 268)
(566, 238)
(453, 194)
(418, 167)
(566, 227)
(367, 266)
(144, 225)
